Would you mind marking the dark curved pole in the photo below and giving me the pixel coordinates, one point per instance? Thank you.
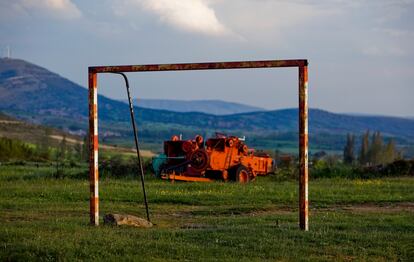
(131, 110)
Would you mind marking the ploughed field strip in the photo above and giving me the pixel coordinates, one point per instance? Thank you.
(351, 219)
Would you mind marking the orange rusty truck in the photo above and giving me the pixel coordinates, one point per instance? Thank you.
(220, 158)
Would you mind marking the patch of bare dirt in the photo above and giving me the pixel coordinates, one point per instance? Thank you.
(9, 122)
(197, 226)
(144, 153)
(381, 208)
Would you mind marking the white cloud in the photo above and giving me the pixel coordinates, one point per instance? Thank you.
(59, 9)
(275, 14)
(188, 15)
(269, 21)
(239, 19)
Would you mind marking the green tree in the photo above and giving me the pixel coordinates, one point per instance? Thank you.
(363, 153)
(78, 151)
(44, 147)
(63, 149)
(376, 152)
(390, 153)
(60, 158)
(12, 149)
(349, 155)
(85, 148)
(70, 153)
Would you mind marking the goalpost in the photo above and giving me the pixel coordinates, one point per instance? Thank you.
(301, 64)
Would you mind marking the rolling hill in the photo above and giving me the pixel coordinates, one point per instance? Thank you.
(32, 133)
(33, 93)
(214, 107)
(37, 134)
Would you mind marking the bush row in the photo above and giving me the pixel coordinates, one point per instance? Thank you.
(118, 166)
(394, 169)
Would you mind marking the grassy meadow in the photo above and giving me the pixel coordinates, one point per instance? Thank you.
(46, 218)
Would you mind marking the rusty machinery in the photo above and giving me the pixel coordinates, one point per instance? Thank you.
(301, 64)
(222, 157)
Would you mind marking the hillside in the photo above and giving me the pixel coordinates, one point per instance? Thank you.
(33, 93)
(37, 134)
(214, 107)
(32, 133)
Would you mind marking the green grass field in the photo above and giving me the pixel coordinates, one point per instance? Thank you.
(43, 218)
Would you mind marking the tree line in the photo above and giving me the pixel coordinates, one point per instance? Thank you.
(373, 151)
(13, 149)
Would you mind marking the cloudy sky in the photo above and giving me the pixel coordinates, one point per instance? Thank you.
(360, 51)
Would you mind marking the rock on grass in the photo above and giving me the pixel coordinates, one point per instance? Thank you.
(128, 220)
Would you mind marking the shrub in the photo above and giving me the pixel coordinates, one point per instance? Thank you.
(118, 167)
(394, 169)
(399, 168)
(323, 170)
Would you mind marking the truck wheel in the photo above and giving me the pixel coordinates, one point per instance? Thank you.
(242, 175)
(199, 160)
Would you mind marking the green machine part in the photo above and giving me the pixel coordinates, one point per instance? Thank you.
(157, 164)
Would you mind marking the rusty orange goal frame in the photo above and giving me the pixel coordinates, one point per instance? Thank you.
(301, 64)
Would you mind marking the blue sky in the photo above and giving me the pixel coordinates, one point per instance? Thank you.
(361, 52)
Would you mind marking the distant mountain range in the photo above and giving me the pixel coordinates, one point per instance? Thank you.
(30, 92)
(214, 107)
